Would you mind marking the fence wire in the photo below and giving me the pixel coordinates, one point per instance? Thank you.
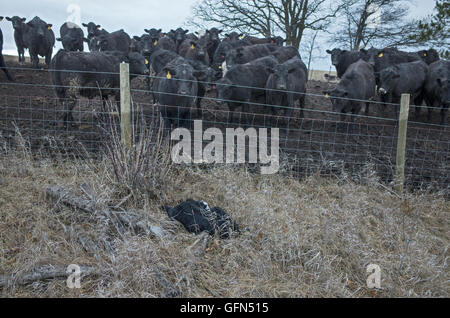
(362, 147)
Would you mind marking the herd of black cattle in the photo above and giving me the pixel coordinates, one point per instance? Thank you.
(241, 69)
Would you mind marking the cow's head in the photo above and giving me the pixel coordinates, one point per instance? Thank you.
(92, 29)
(17, 22)
(336, 56)
(138, 63)
(280, 76)
(388, 79)
(339, 98)
(429, 56)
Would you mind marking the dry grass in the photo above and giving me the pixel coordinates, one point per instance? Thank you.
(310, 238)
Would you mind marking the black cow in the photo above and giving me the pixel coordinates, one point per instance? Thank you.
(285, 53)
(2, 60)
(286, 85)
(245, 54)
(278, 40)
(154, 33)
(197, 217)
(160, 58)
(203, 74)
(356, 86)
(150, 44)
(429, 56)
(178, 36)
(72, 37)
(381, 59)
(403, 78)
(342, 59)
(93, 76)
(194, 50)
(234, 37)
(136, 45)
(437, 88)
(93, 30)
(36, 36)
(212, 39)
(175, 88)
(220, 55)
(245, 83)
(115, 41)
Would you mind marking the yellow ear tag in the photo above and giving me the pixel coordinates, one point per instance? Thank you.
(380, 55)
(169, 76)
(424, 54)
(1, 18)
(220, 67)
(240, 37)
(146, 62)
(49, 27)
(327, 96)
(192, 46)
(156, 42)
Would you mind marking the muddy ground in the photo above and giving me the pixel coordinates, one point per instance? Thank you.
(314, 143)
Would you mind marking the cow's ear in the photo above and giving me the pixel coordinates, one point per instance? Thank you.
(241, 36)
(196, 32)
(1, 18)
(328, 51)
(326, 94)
(86, 40)
(49, 26)
(193, 44)
(220, 31)
(8, 18)
(84, 24)
(159, 31)
(137, 38)
(58, 39)
(186, 31)
(363, 51)
(146, 30)
(23, 20)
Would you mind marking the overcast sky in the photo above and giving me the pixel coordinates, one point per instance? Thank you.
(131, 15)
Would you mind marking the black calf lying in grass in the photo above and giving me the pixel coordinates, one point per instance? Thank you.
(196, 216)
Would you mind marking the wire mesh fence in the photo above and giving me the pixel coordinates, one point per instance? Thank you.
(316, 140)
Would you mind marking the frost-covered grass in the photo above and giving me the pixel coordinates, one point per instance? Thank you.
(309, 238)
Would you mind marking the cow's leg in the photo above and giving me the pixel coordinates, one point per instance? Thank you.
(302, 105)
(444, 110)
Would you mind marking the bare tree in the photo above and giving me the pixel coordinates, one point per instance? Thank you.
(376, 23)
(267, 17)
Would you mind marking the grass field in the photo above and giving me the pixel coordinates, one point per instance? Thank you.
(306, 238)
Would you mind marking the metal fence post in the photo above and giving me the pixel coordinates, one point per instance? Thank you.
(125, 105)
(401, 144)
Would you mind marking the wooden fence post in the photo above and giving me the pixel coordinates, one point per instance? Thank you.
(401, 144)
(125, 105)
